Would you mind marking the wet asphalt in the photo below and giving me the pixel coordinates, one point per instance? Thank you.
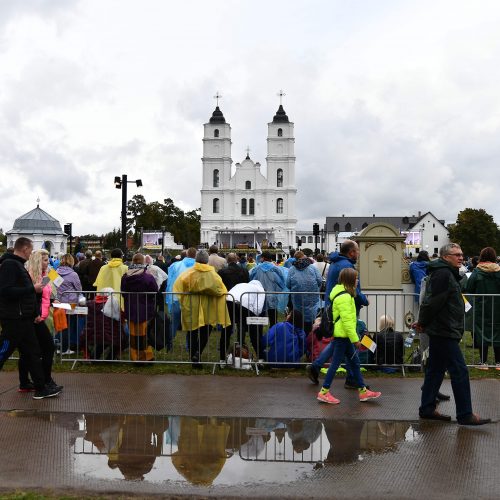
(254, 437)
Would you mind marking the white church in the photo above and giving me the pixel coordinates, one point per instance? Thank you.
(242, 208)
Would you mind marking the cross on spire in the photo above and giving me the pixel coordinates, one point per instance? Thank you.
(217, 96)
(38, 201)
(281, 94)
(248, 152)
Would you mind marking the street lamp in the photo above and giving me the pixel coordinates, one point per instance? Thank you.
(121, 183)
(316, 234)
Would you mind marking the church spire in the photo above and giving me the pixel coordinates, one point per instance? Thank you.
(217, 116)
(280, 116)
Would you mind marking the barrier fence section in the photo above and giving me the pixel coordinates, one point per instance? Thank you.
(252, 330)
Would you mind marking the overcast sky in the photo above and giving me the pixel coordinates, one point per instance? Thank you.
(396, 103)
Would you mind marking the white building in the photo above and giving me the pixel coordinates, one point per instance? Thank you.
(428, 233)
(42, 229)
(246, 207)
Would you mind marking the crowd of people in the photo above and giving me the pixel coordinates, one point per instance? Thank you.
(205, 292)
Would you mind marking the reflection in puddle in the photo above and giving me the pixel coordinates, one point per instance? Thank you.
(222, 451)
(209, 450)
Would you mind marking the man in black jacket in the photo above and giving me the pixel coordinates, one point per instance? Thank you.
(18, 310)
(232, 275)
(441, 315)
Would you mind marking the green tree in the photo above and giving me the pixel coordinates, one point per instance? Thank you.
(185, 227)
(474, 230)
(112, 239)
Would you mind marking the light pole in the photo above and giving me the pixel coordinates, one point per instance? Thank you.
(316, 234)
(162, 239)
(68, 229)
(121, 183)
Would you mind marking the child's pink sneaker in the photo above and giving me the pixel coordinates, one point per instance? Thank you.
(327, 398)
(367, 394)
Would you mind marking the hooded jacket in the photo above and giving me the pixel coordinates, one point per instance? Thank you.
(418, 271)
(442, 310)
(17, 293)
(485, 279)
(272, 280)
(110, 275)
(205, 299)
(70, 288)
(343, 306)
(284, 343)
(304, 277)
(174, 271)
(139, 306)
(337, 263)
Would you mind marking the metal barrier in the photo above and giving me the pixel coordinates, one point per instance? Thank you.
(141, 328)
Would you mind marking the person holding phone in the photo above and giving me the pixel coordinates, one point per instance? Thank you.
(37, 266)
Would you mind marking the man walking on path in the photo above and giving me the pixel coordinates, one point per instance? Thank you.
(18, 310)
(441, 315)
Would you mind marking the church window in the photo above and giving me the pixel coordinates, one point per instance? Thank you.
(251, 206)
(435, 237)
(216, 178)
(280, 132)
(244, 206)
(216, 132)
(348, 227)
(248, 185)
(279, 178)
(279, 206)
(303, 239)
(336, 227)
(216, 206)
(309, 239)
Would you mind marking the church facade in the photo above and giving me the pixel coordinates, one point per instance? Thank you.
(244, 208)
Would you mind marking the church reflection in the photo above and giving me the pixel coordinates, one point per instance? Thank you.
(200, 447)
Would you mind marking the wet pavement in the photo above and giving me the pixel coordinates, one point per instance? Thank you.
(228, 437)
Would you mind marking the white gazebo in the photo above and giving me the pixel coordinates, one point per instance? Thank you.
(42, 229)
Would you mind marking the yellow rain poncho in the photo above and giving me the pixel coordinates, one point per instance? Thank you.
(206, 302)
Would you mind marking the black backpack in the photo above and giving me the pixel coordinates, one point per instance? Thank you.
(327, 325)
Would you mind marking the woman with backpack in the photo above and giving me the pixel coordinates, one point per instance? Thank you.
(346, 340)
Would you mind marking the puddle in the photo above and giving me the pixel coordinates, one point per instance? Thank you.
(209, 451)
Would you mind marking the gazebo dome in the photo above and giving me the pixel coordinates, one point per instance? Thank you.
(36, 221)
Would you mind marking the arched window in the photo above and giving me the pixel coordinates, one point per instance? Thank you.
(251, 206)
(244, 206)
(216, 132)
(279, 178)
(309, 239)
(336, 227)
(216, 178)
(348, 227)
(216, 206)
(280, 132)
(303, 239)
(248, 185)
(279, 206)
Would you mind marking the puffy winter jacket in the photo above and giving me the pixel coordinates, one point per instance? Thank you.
(284, 343)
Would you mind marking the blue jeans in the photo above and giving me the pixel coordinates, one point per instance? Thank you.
(325, 355)
(342, 348)
(445, 354)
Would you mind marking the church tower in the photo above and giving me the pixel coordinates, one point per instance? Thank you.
(216, 163)
(281, 175)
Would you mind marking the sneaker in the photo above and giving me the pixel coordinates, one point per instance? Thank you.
(46, 392)
(53, 385)
(483, 367)
(327, 398)
(367, 394)
(29, 387)
(312, 373)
